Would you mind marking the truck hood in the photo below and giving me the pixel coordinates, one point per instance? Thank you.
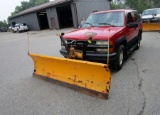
(147, 16)
(102, 33)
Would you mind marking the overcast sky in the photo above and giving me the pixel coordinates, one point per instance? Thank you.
(8, 6)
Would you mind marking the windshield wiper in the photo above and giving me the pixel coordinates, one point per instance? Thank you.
(89, 24)
(106, 24)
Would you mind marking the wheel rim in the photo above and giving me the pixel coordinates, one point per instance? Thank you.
(121, 57)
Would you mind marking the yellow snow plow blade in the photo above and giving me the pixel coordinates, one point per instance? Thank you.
(151, 26)
(88, 77)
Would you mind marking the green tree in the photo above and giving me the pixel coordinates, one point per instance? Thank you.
(38, 2)
(32, 3)
(115, 5)
(25, 5)
(3, 24)
(155, 3)
(139, 5)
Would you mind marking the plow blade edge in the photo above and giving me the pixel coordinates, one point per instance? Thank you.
(92, 78)
(151, 26)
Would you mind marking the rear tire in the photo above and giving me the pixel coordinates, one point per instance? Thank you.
(18, 31)
(119, 58)
(138, 42)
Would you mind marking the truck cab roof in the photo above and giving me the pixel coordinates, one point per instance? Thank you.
(117, 10)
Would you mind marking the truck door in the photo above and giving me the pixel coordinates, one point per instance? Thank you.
(137, 19)
(131, 32)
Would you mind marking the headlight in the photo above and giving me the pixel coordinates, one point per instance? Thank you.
(101, 42)
(63, 47)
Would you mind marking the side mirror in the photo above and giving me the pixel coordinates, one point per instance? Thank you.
(132, 25)
(154, 15)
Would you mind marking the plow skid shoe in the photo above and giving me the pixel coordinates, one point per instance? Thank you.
(88, 77)
(151, 27)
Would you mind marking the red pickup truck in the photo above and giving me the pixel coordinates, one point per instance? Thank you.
(123, 29)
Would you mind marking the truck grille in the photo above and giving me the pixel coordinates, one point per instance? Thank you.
(79, 46)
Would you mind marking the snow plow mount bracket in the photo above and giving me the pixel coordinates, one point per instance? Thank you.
(71, 52)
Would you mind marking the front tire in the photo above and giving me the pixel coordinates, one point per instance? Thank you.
(13, 31)
(119, 58)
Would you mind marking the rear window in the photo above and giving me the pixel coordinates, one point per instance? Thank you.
(158, 11)
(16, 25)
(137, 16)
(23, 24)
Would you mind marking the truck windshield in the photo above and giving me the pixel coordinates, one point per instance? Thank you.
(105, 19)
(151, 11)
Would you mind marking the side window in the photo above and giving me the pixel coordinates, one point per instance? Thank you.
(137, 17)
(129, 17)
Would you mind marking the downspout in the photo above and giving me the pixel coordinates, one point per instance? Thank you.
(75, 13)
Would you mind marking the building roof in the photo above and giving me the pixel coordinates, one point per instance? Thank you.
(40, 7)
